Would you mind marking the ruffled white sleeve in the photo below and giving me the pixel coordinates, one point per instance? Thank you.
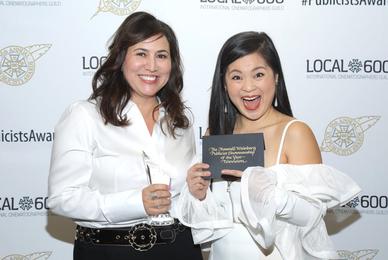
(209, 219)
(317, 186)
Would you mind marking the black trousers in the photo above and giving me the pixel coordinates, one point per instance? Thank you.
(182, 248)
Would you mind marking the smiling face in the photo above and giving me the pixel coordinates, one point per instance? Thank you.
(250, 84)
(147, 68)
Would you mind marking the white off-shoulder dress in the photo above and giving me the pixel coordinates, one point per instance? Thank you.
(240, 220)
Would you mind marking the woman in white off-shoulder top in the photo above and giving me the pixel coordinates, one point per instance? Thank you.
(276, 211)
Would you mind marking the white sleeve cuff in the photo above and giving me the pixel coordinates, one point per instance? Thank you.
(123, 206)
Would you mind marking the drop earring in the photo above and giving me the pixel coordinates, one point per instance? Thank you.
(275, 102)
(225, 100)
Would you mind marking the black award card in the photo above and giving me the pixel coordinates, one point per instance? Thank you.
(234, 152)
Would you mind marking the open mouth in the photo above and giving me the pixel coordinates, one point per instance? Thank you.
(251, 102)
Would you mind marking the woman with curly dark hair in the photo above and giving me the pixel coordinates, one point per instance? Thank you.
(120, 158)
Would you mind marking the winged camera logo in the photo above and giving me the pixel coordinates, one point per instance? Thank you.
(33, 256)
(366, 254)
(17, 64)
(345, 136)
(117, 7)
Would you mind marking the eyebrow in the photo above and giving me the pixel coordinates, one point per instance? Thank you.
(146, 50)
(256, 68)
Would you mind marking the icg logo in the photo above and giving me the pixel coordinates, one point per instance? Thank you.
(345, 135)
(32, 256)
(122, 7)
(364, 254)
(17, 63)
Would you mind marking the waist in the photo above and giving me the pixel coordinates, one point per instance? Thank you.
(141, 237)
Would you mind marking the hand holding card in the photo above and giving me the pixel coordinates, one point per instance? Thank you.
(234, 152)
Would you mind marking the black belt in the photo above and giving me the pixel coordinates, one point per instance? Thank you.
(141, 237)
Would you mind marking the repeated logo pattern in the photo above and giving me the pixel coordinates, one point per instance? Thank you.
(366, 254)
(117, 7)
(345, 136)
(33, 256)
(17, 64)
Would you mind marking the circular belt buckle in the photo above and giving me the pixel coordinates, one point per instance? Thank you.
(142, 237)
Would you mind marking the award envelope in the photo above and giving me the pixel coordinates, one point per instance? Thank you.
(234, 152)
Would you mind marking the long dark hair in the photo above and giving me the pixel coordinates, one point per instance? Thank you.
(112, 91)
(238, 46)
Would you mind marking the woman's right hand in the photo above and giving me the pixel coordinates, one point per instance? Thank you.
(156, 199)
(197, 185)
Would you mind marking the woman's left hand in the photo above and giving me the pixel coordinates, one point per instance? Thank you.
(234, 173)
(156, 199)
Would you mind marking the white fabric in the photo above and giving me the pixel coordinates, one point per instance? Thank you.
(318, 184)
(215, 220)
(97, 171)
(292, 208)
(221, 217)
(210, 216)
(238, 244)
(253, 215)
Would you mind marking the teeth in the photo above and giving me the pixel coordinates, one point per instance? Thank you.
(251, 98)
(145, 77)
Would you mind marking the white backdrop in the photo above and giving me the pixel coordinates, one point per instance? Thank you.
(335, 61)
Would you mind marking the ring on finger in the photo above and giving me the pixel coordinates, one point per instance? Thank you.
(153, 195)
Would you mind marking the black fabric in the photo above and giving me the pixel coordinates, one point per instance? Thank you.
(182, 248)
(141, 234)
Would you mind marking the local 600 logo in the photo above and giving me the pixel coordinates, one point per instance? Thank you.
(22, 206)
(347, 65)
(369, 201)
(353, 68)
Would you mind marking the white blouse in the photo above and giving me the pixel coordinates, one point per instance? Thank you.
(98, 172)
(253, 204)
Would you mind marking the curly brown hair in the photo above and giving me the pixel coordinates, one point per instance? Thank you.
(111, 90)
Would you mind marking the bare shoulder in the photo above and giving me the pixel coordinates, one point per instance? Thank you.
(300, 130)
(300, 145)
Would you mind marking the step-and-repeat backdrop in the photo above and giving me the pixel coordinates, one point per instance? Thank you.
(335, 59)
